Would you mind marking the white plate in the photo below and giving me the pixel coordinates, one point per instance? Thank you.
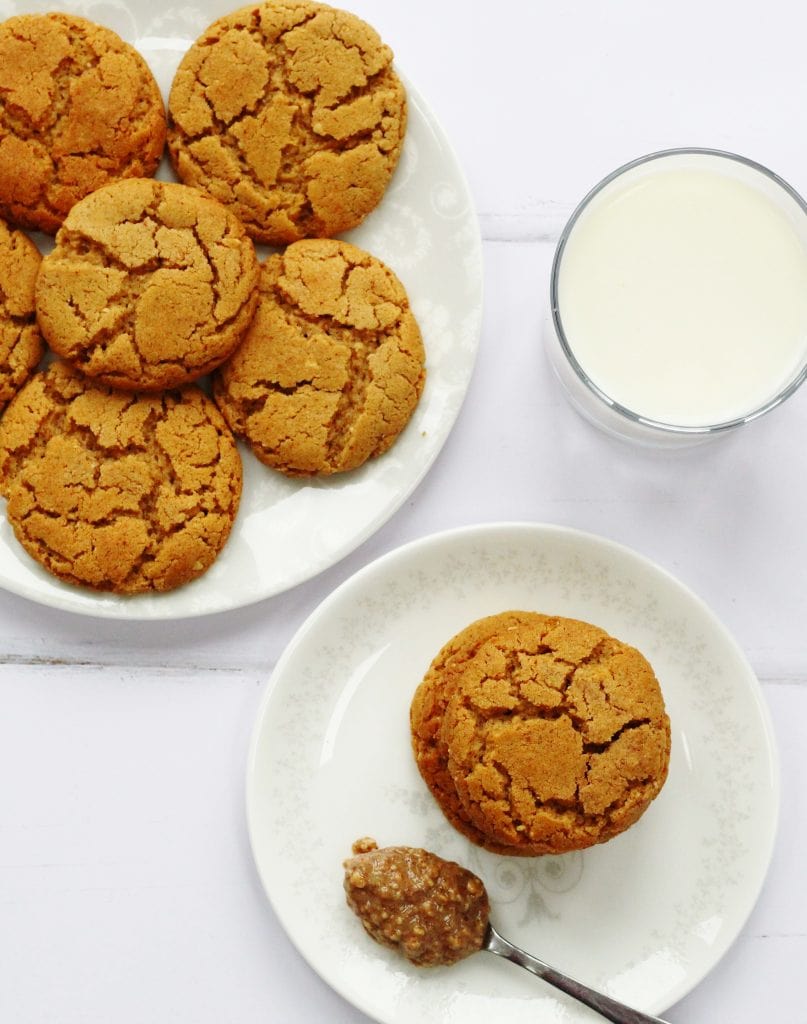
(287, 531)
(643, 917)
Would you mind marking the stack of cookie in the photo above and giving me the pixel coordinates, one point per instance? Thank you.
(540, 734)
(285, 124)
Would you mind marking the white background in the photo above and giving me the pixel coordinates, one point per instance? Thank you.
(127, 890)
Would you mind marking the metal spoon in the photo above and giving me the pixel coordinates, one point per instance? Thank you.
(436, 912)
(609, 1008)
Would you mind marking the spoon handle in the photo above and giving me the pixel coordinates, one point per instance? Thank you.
(612, 1010)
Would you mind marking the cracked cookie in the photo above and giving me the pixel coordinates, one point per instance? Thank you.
(151, 284)
(79, 108)
(290, 113)
(21, 345)
(114, 490)
(540, 734)
(331, 368)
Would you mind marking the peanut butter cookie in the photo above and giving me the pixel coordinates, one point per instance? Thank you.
(332, 365)
(540, 734)
(114, 490)
(290, 113)
(21, 344)
(79, 108)
(151, 285)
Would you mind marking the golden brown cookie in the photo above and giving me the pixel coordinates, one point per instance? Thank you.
(114, 490)
(540, 734)
(21, 344)
(79, 108)
(290, 113)
(332, 365)
(150, 285)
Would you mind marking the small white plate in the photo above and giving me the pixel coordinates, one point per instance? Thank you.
(287, 531)
(643, 917)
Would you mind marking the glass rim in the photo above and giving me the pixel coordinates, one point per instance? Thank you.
(622, 410)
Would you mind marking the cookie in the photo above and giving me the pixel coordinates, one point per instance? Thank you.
(291, 114)
(332, 366)
(151, 284)
(21, 345)
(79, 108)
(540, 734)
(114, 490)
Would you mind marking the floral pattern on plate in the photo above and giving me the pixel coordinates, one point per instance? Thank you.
(642, 917)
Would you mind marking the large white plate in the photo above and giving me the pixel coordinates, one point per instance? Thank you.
(643, 917)
(288, 531)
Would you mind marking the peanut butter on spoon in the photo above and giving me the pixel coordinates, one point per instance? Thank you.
(431, 910)
(435, 912)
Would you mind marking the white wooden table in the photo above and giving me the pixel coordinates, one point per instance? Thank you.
(127, 889)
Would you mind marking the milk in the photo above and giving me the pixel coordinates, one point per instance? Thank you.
(681, 289)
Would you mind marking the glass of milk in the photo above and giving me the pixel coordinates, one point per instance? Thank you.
(679, 297)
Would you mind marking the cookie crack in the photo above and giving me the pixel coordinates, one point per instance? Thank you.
(377, 132)
(570, 808)
(85, 246)
(98, 488)
(284, 181)
(216, 281)
(255, 404)
(600, 748)
(630, 786)
(65, 564)
(16, 319)
(119, 320)
(348, 408)
(81, 59)
(277, 82)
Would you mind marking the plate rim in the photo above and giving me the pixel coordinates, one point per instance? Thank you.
(499, 528)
